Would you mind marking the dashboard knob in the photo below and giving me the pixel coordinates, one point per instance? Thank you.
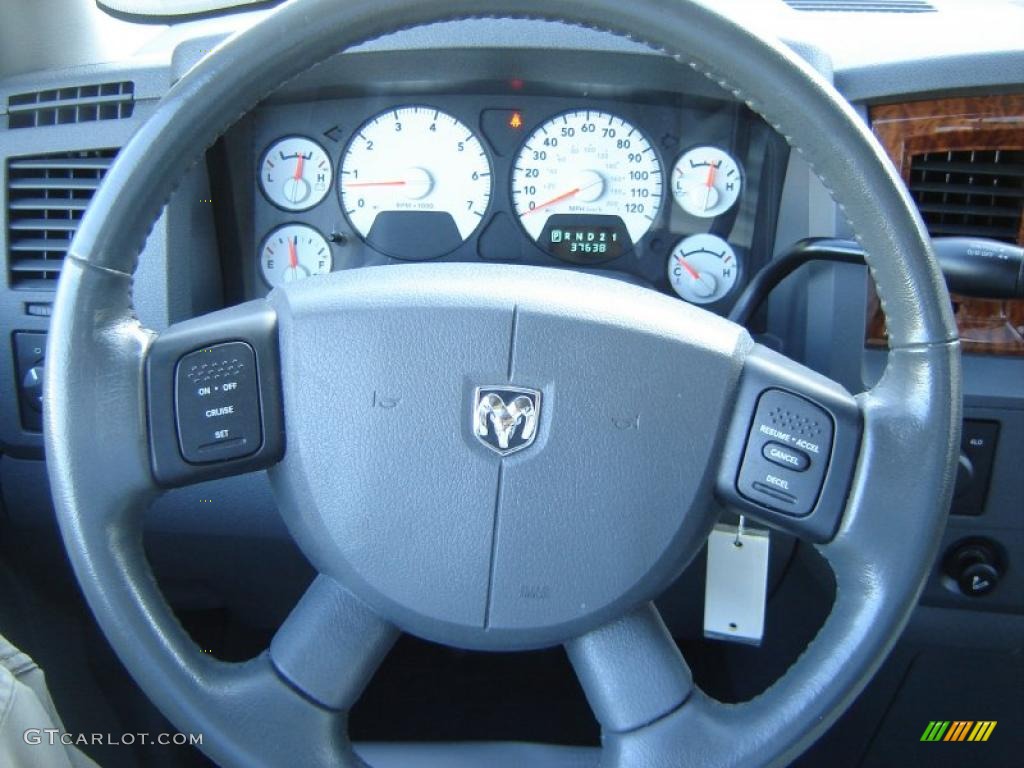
(32, 386)
(978, 579)
(974, 566)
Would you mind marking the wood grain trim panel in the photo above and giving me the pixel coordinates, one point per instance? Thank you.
(939, 125)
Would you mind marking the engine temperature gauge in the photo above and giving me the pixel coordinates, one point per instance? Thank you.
(293, 252)
(295, 173)
(702, 269)
(706, 182)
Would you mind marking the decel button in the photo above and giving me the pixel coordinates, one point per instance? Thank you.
(217, 403)
(785, 457)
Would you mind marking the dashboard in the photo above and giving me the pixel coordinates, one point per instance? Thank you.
(678, 192)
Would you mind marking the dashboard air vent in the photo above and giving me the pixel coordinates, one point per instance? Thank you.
(862, 6)
(46, 198)
(77, 104)
(970, 192)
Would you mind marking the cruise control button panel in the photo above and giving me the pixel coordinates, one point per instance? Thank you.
(217, 406)
(787, 453)
(213, 396)
(791, 448)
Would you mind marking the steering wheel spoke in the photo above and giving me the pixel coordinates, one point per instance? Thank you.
(631, 670)
(331, 644)
(213, 396)
(791, 447)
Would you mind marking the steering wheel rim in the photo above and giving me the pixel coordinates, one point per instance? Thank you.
(98, 352)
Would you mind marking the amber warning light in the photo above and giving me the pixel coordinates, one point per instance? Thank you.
(516, 121)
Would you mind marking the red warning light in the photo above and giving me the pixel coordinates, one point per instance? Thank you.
(516, 121)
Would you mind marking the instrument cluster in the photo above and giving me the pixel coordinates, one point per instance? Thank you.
(675, 193)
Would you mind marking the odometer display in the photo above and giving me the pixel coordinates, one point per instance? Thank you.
(585, 166)
(599, 238)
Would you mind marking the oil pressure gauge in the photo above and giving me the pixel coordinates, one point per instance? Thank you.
(702, 269)
(293, 252)
(706, 182)
(295, 173)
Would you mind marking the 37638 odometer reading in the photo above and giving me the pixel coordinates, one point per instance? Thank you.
(587, 172)
(599, 239)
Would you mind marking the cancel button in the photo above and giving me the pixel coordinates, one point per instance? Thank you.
(785, 457)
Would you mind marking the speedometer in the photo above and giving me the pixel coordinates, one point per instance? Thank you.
(415, 182)
(587, 186)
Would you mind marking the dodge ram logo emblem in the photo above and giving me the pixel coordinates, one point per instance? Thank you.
(505, 418)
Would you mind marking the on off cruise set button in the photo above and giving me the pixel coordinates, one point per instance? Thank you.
(217, 403)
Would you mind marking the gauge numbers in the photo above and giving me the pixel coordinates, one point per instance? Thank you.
(587, 176)
(702, 269)
(295, 173)
(415, 182)
(706, 182)
(293, 252)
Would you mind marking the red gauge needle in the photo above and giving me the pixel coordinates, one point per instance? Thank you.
(375, 183)
(561, 197)
(552, 201)
(690, 270)
(712, 169)
(709, 185)
(293, 257)
(298, 167)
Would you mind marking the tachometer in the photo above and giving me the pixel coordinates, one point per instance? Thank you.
(415, 182)
(587, 186)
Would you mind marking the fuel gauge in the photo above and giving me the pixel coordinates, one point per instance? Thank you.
(295, 173)
(293, 252)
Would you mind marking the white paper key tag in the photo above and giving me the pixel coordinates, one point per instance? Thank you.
(737, 584)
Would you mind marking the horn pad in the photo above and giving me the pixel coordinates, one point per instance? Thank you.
(499, 457)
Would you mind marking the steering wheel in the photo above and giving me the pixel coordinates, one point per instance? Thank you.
(362, 393)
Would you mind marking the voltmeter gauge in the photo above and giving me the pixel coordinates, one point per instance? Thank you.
(295, 173)
(293, 252)
(702, 269)
(706, 182)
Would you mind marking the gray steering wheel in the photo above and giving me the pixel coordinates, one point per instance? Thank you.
(412, 522)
